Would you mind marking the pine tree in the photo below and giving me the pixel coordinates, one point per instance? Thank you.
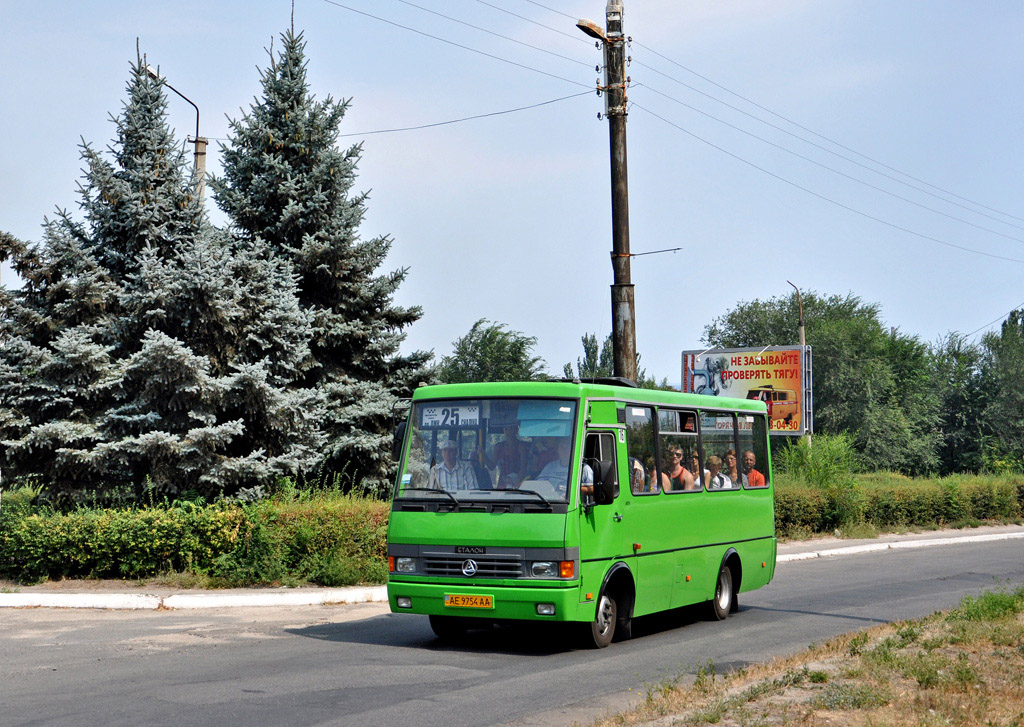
(146, 347)
(286, 183)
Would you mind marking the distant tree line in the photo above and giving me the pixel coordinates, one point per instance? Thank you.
(150, 351)
(911, 407)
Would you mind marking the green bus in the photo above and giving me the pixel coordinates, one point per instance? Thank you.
(584, 501)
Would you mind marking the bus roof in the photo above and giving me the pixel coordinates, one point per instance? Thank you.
(571, 390)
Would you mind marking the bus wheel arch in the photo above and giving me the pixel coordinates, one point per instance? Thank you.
(619, 585)
(614, 616)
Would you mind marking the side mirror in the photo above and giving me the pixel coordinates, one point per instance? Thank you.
(397, 442)
(606, 486)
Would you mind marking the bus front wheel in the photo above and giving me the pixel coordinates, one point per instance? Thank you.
(602, 628)
(725, 596)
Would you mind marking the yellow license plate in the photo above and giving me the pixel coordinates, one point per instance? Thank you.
(453, 600)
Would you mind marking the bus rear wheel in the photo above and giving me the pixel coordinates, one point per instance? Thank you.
(448, 628)
(725, 596)
(602, 628)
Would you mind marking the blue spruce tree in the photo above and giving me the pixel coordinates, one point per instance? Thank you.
(147, 348)
(287, 184)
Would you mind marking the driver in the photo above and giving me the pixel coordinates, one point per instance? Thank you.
(557, 471)
(451, 473)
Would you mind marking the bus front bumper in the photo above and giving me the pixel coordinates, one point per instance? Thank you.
(506, 602)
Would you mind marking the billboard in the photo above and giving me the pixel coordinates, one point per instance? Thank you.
(780, 376)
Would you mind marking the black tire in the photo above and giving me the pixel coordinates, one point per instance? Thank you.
(448, 628)
(722, 602)
(601, 630)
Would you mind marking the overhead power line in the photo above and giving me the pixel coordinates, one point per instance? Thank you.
(788, 121)
(820, 136)
(468, 118)
(450, 121)
(579, 38)
(823, 197)
(495, 34)
(559, 12)
(457, 45)
(832, 169)
(997, 320)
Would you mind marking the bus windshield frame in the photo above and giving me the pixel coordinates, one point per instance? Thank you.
(490, 450)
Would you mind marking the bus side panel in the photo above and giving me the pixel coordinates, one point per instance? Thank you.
(696, 572)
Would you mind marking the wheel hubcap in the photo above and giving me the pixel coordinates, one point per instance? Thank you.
(724, 592)
(604, 615)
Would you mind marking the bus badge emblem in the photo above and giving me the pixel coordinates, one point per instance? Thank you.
(469, 567)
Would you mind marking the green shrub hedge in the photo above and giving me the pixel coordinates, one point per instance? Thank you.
(332, 539)
(888, 500)
(326, 539)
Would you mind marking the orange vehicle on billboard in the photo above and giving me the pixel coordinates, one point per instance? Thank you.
(780, 376)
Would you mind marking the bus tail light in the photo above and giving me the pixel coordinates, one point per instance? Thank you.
(567, 568)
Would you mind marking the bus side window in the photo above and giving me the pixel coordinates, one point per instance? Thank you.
(753, 452)
(643, 467)
(600, 447)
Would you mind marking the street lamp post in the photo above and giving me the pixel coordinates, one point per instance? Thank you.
(199, 167)
(623, 309)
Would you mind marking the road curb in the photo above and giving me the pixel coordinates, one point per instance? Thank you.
(124, 601)
(895, 545)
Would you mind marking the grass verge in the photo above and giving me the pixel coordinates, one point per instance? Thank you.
(962, 667)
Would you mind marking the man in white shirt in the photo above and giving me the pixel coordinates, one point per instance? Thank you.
(451, 473)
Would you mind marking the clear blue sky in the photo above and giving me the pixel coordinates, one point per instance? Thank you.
(508, 217)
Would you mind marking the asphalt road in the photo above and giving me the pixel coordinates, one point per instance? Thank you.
(358, 665)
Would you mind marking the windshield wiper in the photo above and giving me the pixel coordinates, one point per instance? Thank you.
(447, 494)
(543, 499)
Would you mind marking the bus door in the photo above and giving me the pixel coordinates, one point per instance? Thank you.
(604, 536)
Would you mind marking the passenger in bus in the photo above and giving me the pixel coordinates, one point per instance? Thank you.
(717, 480)
(698, 481)
(637, 478)
(451, 473)
(679, 478)
(653, 479)
(546, 452)
(511, 457)
(751, 477)
(731, 466)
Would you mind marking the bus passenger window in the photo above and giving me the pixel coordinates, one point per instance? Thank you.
(752, 435)
(677, 439)
(718, 437)
(644, 475)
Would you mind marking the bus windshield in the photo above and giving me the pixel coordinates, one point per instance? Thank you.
(490, 448)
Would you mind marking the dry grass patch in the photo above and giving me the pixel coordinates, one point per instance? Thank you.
(959, 668)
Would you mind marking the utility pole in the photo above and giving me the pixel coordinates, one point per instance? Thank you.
(623, 309)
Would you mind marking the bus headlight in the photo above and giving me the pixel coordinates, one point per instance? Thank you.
(545, 569)
(405, 565)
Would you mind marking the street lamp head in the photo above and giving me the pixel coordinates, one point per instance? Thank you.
(592, 29)
(152, 73)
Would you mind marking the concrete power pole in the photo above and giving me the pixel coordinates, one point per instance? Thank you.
(623, 309)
